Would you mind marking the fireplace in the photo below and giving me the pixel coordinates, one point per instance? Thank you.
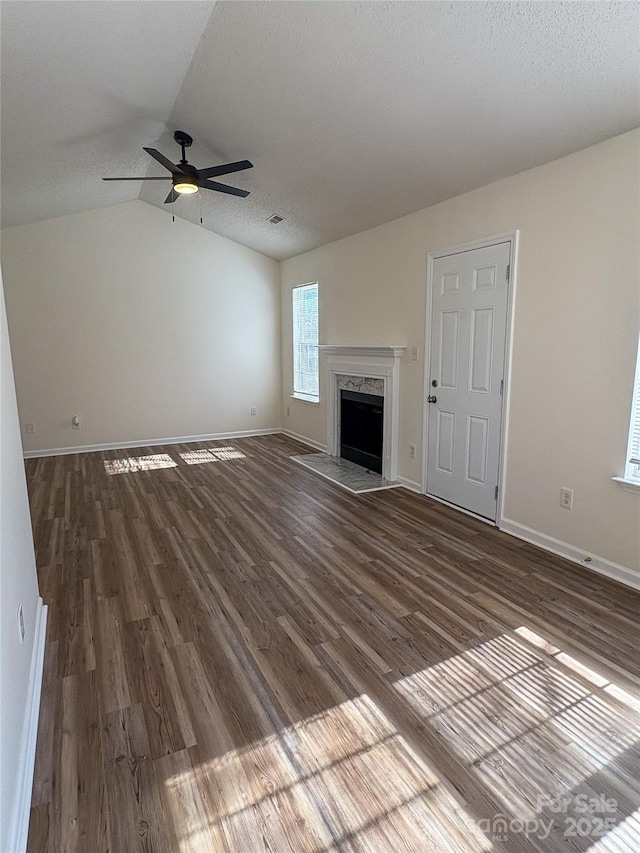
(368, 372)
(361, 428)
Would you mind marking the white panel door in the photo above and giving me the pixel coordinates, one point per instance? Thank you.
(468, 334)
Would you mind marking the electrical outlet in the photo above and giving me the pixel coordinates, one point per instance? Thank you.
(254, 411)
(288, 410)
(75, 422)
(30, 428)
(412, 451)
(20, 623)
(566, 498)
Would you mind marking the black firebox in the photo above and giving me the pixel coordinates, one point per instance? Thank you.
(361, 419)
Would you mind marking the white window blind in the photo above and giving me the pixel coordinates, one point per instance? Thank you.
(305, 340)
(633, 455)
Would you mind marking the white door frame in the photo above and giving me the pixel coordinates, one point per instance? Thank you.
(508, 237)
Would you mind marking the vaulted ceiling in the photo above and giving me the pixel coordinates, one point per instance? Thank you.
(353, 113)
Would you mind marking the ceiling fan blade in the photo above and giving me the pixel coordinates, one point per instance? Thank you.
(163, 160)
(223, 188)
(225, 169)
(138, 179)
(173, 196)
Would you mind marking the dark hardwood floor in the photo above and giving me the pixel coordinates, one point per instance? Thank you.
(243, 657)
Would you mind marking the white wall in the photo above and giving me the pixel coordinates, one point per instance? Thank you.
(576, 330)
(143, 327)
(18, 586)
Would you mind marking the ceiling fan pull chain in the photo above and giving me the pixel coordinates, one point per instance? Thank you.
(200, 197)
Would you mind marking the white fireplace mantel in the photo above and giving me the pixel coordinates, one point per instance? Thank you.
(364, 352)
(373, 363)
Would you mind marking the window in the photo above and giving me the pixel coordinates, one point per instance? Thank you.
(305, 342)
(633, 454)
(631, 477)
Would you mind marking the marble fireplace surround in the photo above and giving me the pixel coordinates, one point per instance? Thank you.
(370, 370)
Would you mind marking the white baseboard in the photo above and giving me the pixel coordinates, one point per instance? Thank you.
(304, 440)
(409, 484)
(24, 783)
(570, 552)
(151, 442)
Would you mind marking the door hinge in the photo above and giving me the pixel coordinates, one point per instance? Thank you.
(508, 271)
(496, 493)
(501, 387)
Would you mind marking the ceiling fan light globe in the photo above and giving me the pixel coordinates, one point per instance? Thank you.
(185, 187)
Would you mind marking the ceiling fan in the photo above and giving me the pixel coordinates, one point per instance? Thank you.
(186, 178)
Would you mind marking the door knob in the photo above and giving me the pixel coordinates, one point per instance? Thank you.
(432, 399)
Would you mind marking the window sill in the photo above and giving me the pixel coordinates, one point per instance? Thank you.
(632, 486)
(306, 398)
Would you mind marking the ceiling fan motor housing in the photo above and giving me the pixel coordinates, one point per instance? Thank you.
(187, 181)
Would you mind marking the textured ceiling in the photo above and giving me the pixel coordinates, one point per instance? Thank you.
(83, 86)
(353, 113)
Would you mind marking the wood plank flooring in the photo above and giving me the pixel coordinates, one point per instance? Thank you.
(243, 657)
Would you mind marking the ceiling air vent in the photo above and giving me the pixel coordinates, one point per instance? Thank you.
(275, 219)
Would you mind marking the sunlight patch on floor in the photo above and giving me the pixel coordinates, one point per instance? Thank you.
(577, 666)
(623, 838)
(213, 454)
(132, 464)
(623, 696)
(343, 776)
(501, 705)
